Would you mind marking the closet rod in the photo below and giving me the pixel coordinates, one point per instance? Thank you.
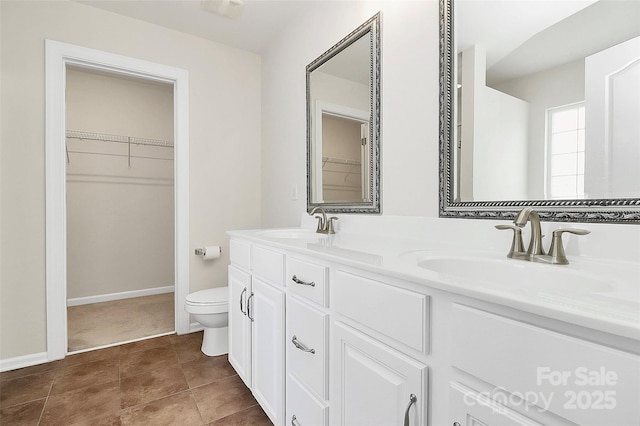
(75, 134)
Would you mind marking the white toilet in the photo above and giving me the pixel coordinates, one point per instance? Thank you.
(210, 308)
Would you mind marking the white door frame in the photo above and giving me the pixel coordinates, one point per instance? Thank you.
(323, 107)
(58, 56)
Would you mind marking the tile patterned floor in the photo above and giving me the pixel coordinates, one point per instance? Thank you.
(161, 381)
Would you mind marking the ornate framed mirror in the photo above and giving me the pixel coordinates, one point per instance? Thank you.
(343, 124)
(539, 106)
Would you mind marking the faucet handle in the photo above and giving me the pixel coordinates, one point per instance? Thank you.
(556, 251)
(330, 229)
(320, 228)
(516, 244)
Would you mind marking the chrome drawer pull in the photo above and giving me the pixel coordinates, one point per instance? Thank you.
(299, 281)
(241, 297)
(300, 346)
(249, 307)
(412, 400)
(294, 420)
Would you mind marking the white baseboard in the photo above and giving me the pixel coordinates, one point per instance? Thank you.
(118, 296)
(195, 326)
(23, 361)
(41, 358)
(121, 343)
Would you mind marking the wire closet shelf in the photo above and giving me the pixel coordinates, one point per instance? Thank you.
(129, 140)
(75, 134)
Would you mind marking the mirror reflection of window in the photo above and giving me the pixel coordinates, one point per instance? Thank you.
(565, 145)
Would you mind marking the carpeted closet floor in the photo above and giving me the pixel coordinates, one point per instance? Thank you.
(99, 324)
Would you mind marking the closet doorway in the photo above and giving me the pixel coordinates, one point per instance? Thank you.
(120, 208)
(59, 57)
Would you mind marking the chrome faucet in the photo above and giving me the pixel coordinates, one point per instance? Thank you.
(535, 252)
(325, 225)
(529, 215)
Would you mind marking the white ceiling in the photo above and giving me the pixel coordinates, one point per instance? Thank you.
(593, 29)
(502, 26)
(351, 63)
(526, 36)
(257, 25)
(259, 22)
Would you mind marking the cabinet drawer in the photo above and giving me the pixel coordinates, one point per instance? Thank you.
(268, 264)
(310, 280)
(302, 408)
(240, 254)
(400, 314)
(307, 358)
(470, 408)
(579, 380)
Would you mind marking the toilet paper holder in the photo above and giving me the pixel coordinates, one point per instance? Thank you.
(200, 251)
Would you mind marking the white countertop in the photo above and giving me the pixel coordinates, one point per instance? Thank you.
(593, 293)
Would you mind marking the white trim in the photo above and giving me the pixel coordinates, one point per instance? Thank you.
(57, 57)
(23, 361)
(195, 326)
(110, 345)
(77, 301)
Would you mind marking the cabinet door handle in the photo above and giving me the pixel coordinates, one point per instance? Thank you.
(242, 297)
(412, 400)
(294, 421)
(299, 281)
(300, 346)
(249, 307)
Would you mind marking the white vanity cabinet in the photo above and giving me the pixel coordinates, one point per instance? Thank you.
(256, 323)
(374, 381)
(346, 354)
(536, 374)
(325, 341)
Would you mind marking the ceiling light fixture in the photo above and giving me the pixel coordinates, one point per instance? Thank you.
(228, 8)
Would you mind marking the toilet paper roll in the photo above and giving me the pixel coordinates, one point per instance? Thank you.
(211, 252)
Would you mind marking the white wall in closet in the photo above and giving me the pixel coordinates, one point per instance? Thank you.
(120, 209)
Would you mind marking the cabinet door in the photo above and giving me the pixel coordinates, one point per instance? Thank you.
(267, 311)
(373, 384)
(239, 323)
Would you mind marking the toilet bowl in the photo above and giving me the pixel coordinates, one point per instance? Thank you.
(210, 308)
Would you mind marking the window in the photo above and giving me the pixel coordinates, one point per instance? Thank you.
(565, 152)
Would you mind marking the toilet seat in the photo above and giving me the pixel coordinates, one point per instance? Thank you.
(209, 301)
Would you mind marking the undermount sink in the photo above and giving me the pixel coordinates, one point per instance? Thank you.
(292, 234)
(517, 275)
